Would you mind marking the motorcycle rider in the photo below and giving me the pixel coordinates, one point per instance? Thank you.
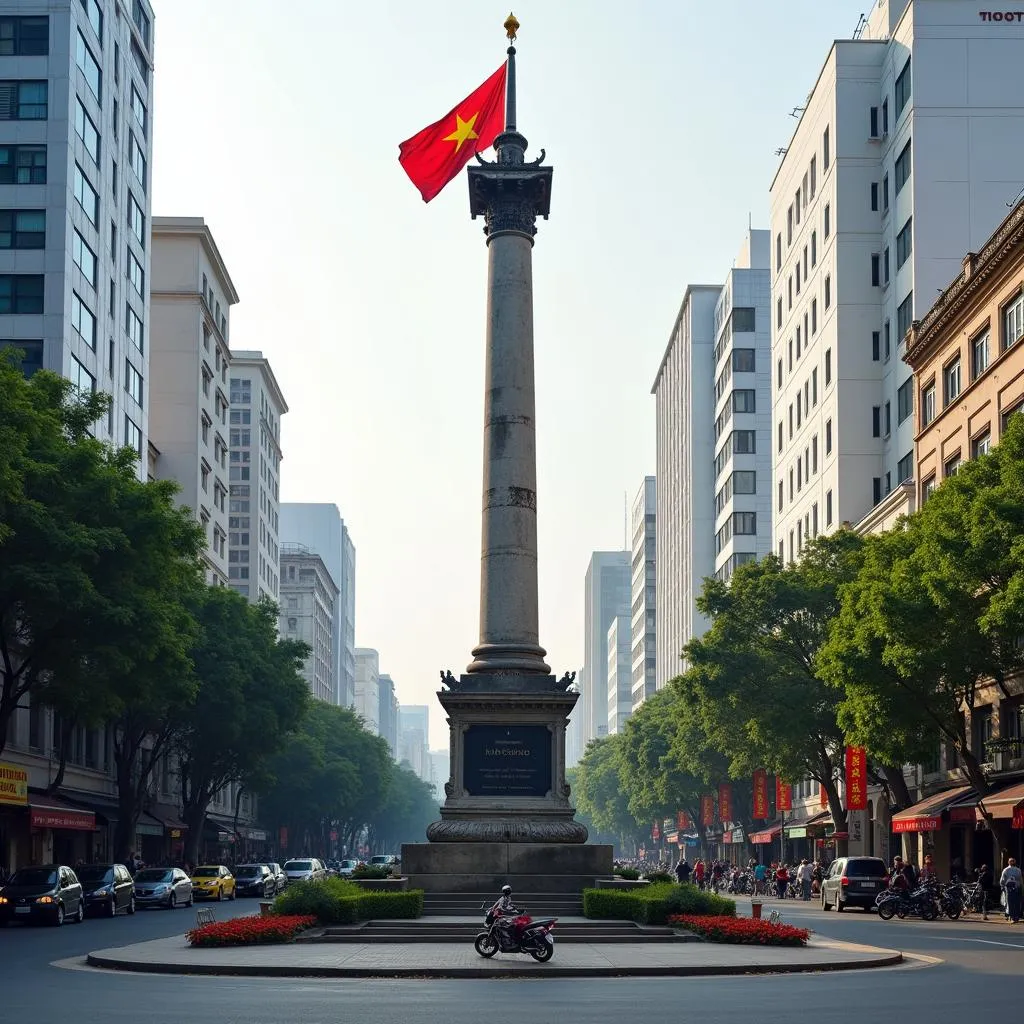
(503, 911)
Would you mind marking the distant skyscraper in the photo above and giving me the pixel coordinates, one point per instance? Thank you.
(574, 741)
(367, 698)
(387, 713)
(414, 738)
(257, 406)
(308, 595)
(686, 470)
(440, 771)
(320, 527)
(606, 595)
(620, 690)
(643, 627)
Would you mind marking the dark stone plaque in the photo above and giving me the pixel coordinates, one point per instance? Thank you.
(507, 760)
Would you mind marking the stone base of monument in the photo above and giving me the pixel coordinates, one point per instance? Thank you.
(486, 867)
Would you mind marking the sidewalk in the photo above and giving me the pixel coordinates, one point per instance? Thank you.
(448, 960)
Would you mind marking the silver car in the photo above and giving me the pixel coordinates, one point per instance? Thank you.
(305, 869)
(163, 887)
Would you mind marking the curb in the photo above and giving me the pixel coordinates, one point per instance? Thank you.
(111, 963)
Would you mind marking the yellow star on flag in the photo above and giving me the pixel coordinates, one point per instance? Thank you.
(463, 131)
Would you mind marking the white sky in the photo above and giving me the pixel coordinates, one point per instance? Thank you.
(280, 125)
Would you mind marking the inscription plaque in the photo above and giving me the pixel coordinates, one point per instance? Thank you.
(507, 760)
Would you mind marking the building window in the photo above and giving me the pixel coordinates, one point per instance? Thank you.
(780, 496)
(903, 168)
(83, 321)
(828, 437)
(981, 445)
(86, 197)
(780, 435)
(905, 467)
(84, 257)
(902, 92)
(744, 401)
(87, 131)
(828, 220)
(24, 37)
(796, 204)
(828, 508)
(1013, 321)
(951, 382)
(885, 266)
(885, 193)
(927, 404)
(743, 360)
(139, 110)
(876, 421)
(136, 220)
(95, 16)
(814, 316)
(778, 375)
(22, 229)
(828, 290)
(23, 101)
(132, 434)
(789, 304)
(888, 418)
(87, 65)
(778, 251)
(133, 382)
(789, 226)
(874, 196)
(81, 378)
(876, 345)
(876, 490)
(828, 367)
(928, 488)
(778, 312)
(826, 149)
(814, 454)
(814, 386)
(904, 243)
(133, 326)
(137, 159)
(904, 318)
(951, 466)
(979, 354)
(135, 274)
(22, 165)
(873, 122)
(876, 273)
(905, 400)
(21, 293)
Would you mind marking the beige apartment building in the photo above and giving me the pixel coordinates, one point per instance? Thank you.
(967, 355)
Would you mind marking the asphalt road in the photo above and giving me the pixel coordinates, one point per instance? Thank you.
(981, 974)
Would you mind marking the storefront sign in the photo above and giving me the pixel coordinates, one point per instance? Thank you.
(175, 833)
(737, 836)
(797, 833)
(725, 802)
(856, 779)
(13, 785)
(932, 824)
(50, 817)
(507, 760)
(783, 795)
(822, 796)
(962, 815)
(1011, 17)
(707, 809)
(760, 795)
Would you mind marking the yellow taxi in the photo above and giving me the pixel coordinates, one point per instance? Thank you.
(213, 882)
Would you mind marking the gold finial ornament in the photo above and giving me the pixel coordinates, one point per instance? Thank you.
(511, 26)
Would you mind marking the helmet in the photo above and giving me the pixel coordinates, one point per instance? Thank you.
(506, 890)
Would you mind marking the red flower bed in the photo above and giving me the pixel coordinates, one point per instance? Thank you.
(250, 931)
(742, 930)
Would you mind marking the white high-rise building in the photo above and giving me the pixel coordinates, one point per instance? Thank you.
(688, 460)
(643, 627)
(308, 595)
(320, 527)
(414, 738)
(257, 406)
(743, 398)
(387, 713)
(75, 154)
(620, 677)
(367, 695)
(606, 595)
(909, 149)
(191, 298)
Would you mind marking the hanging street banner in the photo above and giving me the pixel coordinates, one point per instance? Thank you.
(707, 809)
(856, 779)
(822, 796)
(725, 802)
(783, 795)
(760, 795)
(682, 820)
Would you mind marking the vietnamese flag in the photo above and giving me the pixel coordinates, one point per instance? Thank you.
(435, 155)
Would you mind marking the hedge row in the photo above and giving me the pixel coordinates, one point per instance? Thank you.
(654, 903)
(337, 901)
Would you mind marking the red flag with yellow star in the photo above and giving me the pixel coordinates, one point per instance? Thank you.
(435, 155)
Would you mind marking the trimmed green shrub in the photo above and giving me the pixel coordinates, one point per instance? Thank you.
(391, 905)
(659, 876)
(330, 900)
(628, 874)
(365, 871)
(654, 904)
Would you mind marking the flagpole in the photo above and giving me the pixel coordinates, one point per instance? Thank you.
(511, 26)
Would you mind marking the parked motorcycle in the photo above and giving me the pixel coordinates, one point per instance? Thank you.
(901, 903)
(516, 932)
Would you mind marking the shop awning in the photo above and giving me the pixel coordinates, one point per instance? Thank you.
(220, 829)
(147, 825)
(926, 815)
(169, 817)
(1008, 803)
(798, 827)
(767, 835)
(52, 812)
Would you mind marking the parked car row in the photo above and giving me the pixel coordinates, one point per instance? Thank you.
(55, 893)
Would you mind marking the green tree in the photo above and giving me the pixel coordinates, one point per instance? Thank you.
(250, 695)
(403, 817)
(935, 616)
(600, 796)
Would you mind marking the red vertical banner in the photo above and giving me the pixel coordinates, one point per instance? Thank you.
(707, 809)
(783, 795)
(856, 779)
(725, 802)
(823, 796)
(655, 831)
(282, 837)
(760, 812)
(682, 820)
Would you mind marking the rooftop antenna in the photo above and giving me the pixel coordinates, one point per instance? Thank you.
(782, 151)
(862, 23)
(797, 111)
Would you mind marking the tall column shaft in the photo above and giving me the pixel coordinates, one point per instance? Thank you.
(508, 569)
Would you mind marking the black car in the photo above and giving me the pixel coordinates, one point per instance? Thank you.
(108, 889)
(49, 892)
(853, 882)
(255, 880)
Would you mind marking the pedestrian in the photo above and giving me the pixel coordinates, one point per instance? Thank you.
(698, 873)
(1010, 881)
(781, 881)
(928, 872)
(804, 875)
(984, 884)
(683, 870)
(760, 878)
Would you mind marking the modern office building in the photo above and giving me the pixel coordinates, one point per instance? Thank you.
(440, 771)
(257, 406)
(575, 744)
(191, 299)
(643, 626)
(743, 398)
(387, 713)
(367, 696)
(606, 596)
(320, 527)
(75, 154)
(906, 155)
(308, 595)
(620, 674)
(687, 464)
(414, 738)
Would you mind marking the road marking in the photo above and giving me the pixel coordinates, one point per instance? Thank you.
(987, 942)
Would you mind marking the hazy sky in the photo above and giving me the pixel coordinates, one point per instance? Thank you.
(280, 125)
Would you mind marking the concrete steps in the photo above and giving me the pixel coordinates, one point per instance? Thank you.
(457, 904)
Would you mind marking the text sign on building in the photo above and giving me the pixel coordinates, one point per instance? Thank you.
(13, 785)
(1007, 17)
(507, 760)
(48, 817)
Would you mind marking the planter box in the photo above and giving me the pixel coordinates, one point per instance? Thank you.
(382, 884)
(621, 883)
(266, 906)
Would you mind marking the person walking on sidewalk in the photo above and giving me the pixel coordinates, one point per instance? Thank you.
(984, 884)
(1010, 881)
(804, 875)
(683, 870)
